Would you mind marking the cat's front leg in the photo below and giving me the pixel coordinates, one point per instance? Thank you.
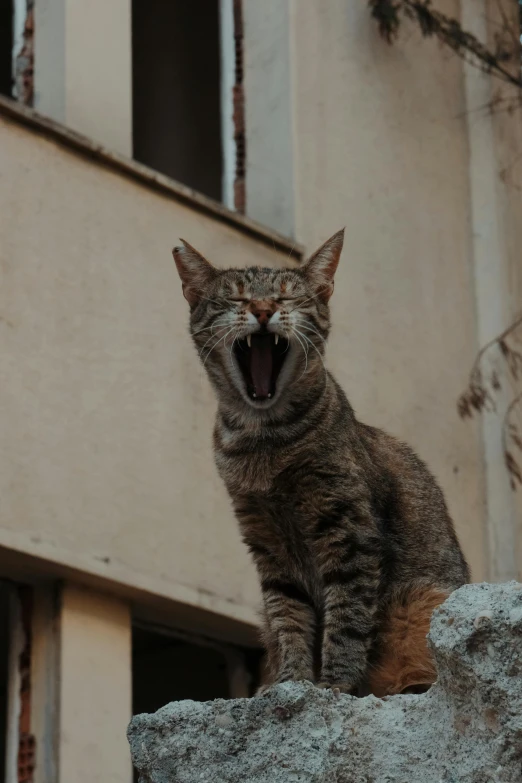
(350, 584)
(290, 628)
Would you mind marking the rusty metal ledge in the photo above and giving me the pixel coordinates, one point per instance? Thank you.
(84, 146)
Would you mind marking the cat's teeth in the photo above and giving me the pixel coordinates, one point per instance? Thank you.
(269, 396)
(254, 395)
(276, 338)
(249, 340)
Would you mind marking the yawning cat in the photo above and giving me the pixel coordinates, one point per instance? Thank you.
(347, 527)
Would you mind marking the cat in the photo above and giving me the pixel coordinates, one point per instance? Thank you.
(348, 529)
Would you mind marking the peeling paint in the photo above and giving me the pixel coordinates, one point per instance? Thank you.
(239, 111)
(24, 60)
(26, 741)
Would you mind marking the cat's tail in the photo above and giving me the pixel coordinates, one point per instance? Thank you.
(404, 663)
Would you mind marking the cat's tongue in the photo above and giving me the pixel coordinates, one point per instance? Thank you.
(261, 364)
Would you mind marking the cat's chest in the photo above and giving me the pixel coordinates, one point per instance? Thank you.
(277, 525)
(246, 471)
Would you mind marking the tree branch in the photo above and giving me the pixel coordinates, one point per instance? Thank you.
(389, 14)
(432, 23)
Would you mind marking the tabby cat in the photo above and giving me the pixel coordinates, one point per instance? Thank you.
(348, 529)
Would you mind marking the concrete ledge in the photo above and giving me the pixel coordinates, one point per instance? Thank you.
(466, 729)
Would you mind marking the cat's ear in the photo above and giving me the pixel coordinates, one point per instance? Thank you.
(321, 266)
(194, 270)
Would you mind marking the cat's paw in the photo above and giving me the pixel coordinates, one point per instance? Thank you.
(296, 676)
(305, 677)
(337, 688)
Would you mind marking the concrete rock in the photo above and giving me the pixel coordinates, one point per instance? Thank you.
(467, 728)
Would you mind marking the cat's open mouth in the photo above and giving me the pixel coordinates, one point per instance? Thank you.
(261, 358)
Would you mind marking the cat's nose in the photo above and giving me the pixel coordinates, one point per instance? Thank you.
(263, 314)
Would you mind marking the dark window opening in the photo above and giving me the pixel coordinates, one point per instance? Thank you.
(6, 48)
(170, 666)
(167, 666)
(176, 90)
(17, 744)
(5, 636)
(167, 669)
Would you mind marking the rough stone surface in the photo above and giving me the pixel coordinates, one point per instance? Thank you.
(468, 727)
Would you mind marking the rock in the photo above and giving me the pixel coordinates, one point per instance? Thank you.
(466, 729)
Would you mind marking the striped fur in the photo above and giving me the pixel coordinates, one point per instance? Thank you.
(340, 518)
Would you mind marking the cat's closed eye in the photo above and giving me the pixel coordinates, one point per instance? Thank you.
(244, 301)
(241, 300)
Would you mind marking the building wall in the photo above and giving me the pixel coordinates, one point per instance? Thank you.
(106, 461)
(394, 143)
(382, 149)
(95, 688)
(107, 465)
(106, 471)
(267, 52)
(494, 144)
(82, 74)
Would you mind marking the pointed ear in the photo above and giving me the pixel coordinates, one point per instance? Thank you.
(320, 268)
(195, 272)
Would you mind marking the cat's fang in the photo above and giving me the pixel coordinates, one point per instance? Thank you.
(249, 340)
(276, 338)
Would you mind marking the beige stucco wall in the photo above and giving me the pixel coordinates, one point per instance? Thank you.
(95, 688)
(382, 148)
(495, 141)
(268, 72)
(82, 68)
(106, 461)
(380, 145)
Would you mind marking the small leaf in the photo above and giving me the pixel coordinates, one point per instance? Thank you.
(504, 348)
(517, 440)
(513, 467)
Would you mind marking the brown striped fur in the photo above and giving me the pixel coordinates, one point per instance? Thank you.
(348, 529)
(405, 664)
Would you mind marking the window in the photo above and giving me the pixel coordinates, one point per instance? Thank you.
(170, 666)
(17, 746)
(6, 48)
(4, 675)
(17, 49)
(184, 69)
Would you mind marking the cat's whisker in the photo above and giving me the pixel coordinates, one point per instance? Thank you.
(304, 324)
(209, 339)
(305, 351)
(212, 336)
(217, 343)
(222, 324)
(205, 328)
(232, 346)
(303, 346)
(313, 346)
